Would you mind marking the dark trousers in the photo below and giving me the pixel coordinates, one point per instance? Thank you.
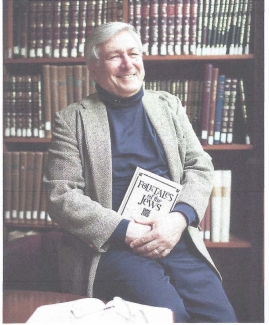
(182, 281)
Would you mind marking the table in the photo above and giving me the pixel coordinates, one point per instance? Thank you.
(19, 305)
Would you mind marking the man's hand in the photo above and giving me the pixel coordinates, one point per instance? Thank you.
(165, 233)
(135, 231)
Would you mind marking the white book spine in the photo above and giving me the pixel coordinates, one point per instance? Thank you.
(226, 205)
(216, 207)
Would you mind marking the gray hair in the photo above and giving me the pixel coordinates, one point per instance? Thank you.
(102, 34)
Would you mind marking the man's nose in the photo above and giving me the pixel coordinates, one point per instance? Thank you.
(126, 61)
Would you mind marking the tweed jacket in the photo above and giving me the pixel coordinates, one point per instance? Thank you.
(78, 179)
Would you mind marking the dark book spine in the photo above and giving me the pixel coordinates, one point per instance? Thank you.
(98, 12)
(15, 181)
(212, 112)
(227, 27)
(170, 27)
(200, 27)
(7, 186)
(193, 25)
(206, 8)
(186, 27)
(216, 18)
(104, 11)
(238, 26)
(232, 105)
(131, 12)
(232, 36)
(29, 186)
(246, 44)
(220, 28)
(225, 111)
(119, 10)
(24, 105)
(90, 25)
(28, 105)
(32, 6)
(154, 28)
(178, 26)
(22, 186)
(163, 27)
(82, 27)
(65, 29)
(7, 97)
(243, 27)
(39, 29)
(19, 106)
(56, 28)
(209, 26)
(24, 30)
(74, 29)
(38, 161)
(35, 107)
(206, 103)
(137, 16)
(48, 31)
(17, 12)
(145, 25)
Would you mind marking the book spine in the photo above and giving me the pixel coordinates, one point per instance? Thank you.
(220, 26)
(54, 91)
(65, 35)
(7, 185)
(119, 16)
(19, 105)
(48, 31)
(193, 25)
(74, 29)
(232, 105)
(186, 27)
(200, 28)
(170, 27)
(154, 28)
(207, 222)
(23, 31)
(38, 160)
(82, 27)
(137, 16)
(211, 127)
(163, 27)
(15, 180)
(47, 100)
(104, 11)
(78, 88)
(226, 186)
(131, 12)
(248, 29)
(244, 111)
(145, 26)
(206, 103)
(225, 111)
(22, 186)
(227, 30)
(56, 28)
(216, 18)
(209, 27)
(15, 10)
(43, 194)
(29, 186)
(178, 26)
(39, 29)
(243, 26)
(206, 8)
(219, 107)
(28, 106)
(98, 12)
(7, 98)
(35, 108)
(90, 21)
(69, 84)
(234, 22)
(62, 87)
(32, 13)
(216, 206)
(238, 27)
(8, 36)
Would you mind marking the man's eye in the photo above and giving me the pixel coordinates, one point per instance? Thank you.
(113, 57)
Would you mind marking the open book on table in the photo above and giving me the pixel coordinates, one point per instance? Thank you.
(94, 310)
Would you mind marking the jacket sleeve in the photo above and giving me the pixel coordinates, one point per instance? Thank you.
(68, 205)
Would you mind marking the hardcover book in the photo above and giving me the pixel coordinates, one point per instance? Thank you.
(149, 195)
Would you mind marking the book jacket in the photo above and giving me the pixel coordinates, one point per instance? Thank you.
(149, 195)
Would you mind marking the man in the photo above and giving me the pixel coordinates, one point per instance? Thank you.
(96, 147)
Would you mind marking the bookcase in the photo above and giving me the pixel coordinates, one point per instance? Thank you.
(240, 259)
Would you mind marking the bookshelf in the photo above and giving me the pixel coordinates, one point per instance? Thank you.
(245, 160)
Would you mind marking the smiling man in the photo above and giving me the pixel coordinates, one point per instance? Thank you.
(97, 145)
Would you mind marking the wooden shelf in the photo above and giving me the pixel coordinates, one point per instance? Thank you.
(145, 58)
(233, 243)
(22, 225)
(26, 140)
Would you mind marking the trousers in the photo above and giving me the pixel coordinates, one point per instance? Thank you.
(182, 281)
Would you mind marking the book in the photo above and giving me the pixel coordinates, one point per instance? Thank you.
(209, 27)
(170, 27)
(82, 18)
(242, 27)
(219, 107)
(207, 221)
(47, 28)
(56, 40)
(15, 181)
(199, 27)
(32, 13)
(193, 25)
(226, 186)
(206, 7)
(163, 27)
(233, 29)
(95, 310)
(38, 168)
(62, 86)
(145, 10)
(215, 30)
(225, 110)
(149, 195)
(232, 106)
(178, 26)
(212, 113)
(23, 184)
(74, 29)
(207, 89)
(29, 186)
(7, 185)
(216, 206)
(65, 28)
(186, 27)
(47, 100)
(246, 44)
(39, 29)
(43, 193)
(154, 29)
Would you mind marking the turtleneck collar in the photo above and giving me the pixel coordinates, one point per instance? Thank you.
(113, 101)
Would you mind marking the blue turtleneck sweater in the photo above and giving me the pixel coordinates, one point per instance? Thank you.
(134, 142)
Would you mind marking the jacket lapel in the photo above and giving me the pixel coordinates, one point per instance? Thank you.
(98, 144)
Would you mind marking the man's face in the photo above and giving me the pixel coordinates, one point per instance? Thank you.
(120, 68)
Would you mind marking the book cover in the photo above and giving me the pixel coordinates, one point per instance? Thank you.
(186, 27)
(238, 27)
(56, 28)
(29, 186)
(74, 29)
(82, 27)
(227, 26)
(47, 28)
(170, 27)
(163, 27)
(242, 28)
(145, 9)
(154, 27)
(39, 29)
(220, 26)
(137, 16)
(205, 25)
(207, 89)
(23, 184)
(233, 28)
(65, 28)
(32, 20)
(231, 113)
(200, 27)
(193, 25)
(47, 100)
(209, 27)
(212, 113)
(43, 194)
(225, 110)
(15, 181)
(149, 195)
(247, 35)
(215, 30)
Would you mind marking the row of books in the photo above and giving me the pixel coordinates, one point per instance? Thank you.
(215, 225)
(216, 106)
(24, 195)
(44, 29)
(205, 27)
